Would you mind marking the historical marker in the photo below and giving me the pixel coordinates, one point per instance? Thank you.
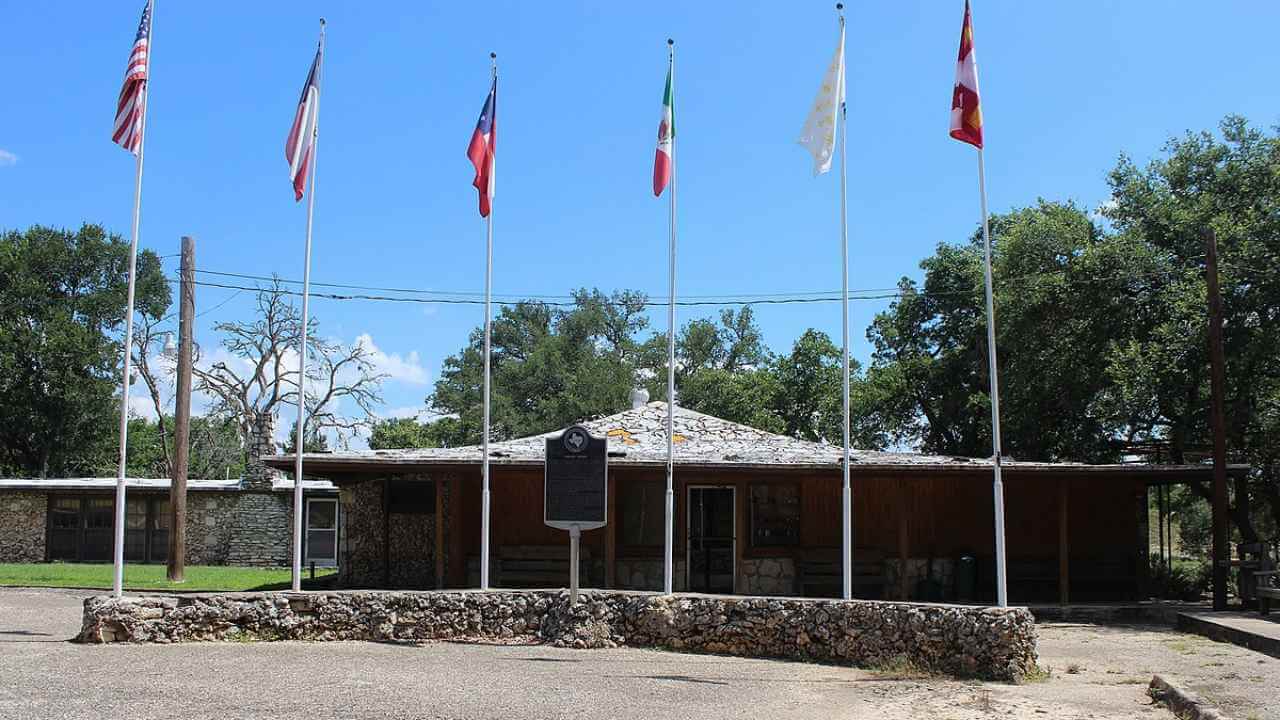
(576, 491)
(576, 488)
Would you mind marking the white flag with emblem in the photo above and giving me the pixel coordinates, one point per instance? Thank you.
(819, 133)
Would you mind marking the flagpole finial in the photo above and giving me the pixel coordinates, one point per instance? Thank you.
(321, 22)
(670, 41)
(493, 56)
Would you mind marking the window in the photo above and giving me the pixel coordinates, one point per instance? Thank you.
(641, 513)
(322, 531)
(81, 529)
(775, 515)
(64, 528)
(414, 497)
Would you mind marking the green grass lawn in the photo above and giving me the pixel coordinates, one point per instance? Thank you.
(152, 577)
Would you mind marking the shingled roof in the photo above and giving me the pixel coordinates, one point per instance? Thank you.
(638, 437)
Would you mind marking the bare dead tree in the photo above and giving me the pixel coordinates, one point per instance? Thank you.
(147, 338)
(262, 376)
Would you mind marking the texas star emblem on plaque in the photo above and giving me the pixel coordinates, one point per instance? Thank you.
(576, 486)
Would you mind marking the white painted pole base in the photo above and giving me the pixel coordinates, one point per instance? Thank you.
(1002, 595)
(846, 548)
(484, 540)
(668, 569)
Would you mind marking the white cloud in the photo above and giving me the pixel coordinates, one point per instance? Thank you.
(7, 159)
(406, 369)
(405, 411)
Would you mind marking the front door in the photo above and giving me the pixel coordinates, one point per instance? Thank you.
(711, 550)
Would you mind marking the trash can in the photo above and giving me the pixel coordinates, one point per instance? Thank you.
(966, 577)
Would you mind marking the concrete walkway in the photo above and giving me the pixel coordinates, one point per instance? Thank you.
(1246, 629)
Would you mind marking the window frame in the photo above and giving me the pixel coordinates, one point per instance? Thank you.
(307, 557)
(774, 548)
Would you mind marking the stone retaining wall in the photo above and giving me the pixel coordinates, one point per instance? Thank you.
(957, 640)
(22, 526)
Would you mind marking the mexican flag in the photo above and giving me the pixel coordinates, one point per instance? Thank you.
(666, 134)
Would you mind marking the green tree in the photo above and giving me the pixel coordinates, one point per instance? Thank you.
(1228, 182)
(396, 433)
(63, 305)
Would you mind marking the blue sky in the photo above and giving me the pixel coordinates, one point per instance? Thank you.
(1066, 87)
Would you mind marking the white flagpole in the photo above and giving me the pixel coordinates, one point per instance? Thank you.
(846, 495)
(488, 341)
(302, 344)
(998, 483)
(668, 566)
(117, 582)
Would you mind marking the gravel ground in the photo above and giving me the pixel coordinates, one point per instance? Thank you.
(1096, 673)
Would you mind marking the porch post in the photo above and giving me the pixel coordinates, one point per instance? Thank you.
(1064, 583)
(904, 539)
(611, 534)
(438, 559)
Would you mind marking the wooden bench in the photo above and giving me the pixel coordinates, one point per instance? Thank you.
(1267, 589)
(818, 573)
(532, 566)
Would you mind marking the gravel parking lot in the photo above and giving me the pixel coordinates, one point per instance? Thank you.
(1096, 673)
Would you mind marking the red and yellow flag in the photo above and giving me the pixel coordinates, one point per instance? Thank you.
(966, 110)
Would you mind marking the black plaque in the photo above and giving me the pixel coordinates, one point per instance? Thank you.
(576, 489)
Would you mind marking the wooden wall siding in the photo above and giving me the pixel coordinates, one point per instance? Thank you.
(949, 514)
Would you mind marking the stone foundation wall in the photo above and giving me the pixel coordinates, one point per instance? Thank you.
(767, 576)
(22, 526)
(646, 574)
(965, 641)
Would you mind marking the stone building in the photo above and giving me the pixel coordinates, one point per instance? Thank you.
(240, 521)
(756, 513)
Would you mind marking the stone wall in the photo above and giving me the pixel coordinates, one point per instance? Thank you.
(22, 526)
(360, 562)
(411, 541)
(767, 576)
(209, 525)
(260, 529)
(646, 574)
(965, 641)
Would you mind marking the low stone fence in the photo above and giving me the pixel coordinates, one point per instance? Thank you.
(964, 641)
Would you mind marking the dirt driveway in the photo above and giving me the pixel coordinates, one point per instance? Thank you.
(1096, 673)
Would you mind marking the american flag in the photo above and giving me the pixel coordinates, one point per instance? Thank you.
(133, 96)
(300, 144)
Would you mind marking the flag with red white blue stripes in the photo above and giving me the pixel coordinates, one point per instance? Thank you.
(300, 145)
(133, 95)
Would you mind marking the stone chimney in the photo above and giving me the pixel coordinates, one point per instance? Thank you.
(639, 398)
(256, 475)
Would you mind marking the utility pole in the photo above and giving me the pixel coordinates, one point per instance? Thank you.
(182, 413)
(1217, 388)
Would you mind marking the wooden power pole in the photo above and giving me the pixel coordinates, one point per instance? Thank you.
(182, 413)
(1217, 417)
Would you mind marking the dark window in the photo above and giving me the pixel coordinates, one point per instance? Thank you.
(97, 542)
(135, 530)
(64, 528)
(416, 497)
(641, 512)
(775, 515)
(159, 531)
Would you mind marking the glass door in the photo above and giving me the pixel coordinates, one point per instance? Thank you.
(711, 539)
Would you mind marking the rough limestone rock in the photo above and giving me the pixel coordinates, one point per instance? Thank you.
(963, 641)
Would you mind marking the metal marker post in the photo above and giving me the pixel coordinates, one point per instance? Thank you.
(575, 534)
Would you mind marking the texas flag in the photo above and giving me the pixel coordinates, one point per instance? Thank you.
(966, 111)
(482, 150)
